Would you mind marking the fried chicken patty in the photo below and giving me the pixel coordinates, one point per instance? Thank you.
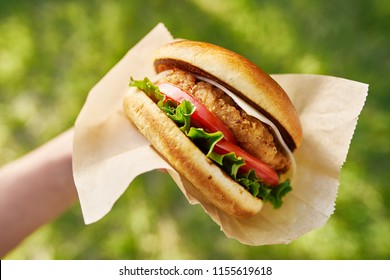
(251, 134)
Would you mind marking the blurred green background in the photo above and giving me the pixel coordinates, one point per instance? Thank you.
(53, 52)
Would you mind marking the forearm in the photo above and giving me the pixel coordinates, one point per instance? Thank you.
(35, 189)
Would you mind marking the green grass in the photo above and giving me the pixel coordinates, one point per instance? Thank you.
(53, 52)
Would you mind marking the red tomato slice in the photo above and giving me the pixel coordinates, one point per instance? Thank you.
(263, 171)
(202, 117)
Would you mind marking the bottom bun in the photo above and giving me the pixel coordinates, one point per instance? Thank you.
(215, 185)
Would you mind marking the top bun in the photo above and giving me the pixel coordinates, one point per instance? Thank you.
(240, 76)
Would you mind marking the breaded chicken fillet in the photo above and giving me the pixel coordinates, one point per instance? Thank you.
(247, 130)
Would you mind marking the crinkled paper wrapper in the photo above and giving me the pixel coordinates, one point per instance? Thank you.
(109, 152)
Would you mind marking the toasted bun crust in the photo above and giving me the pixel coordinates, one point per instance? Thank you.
(239, 75)
(187, 159)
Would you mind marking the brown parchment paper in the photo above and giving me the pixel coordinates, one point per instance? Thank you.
(109, 152)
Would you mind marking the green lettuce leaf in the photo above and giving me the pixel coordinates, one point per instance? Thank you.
(230, 162)
(278, 192)
(204, 140)
(180, 114)
(149, 88)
